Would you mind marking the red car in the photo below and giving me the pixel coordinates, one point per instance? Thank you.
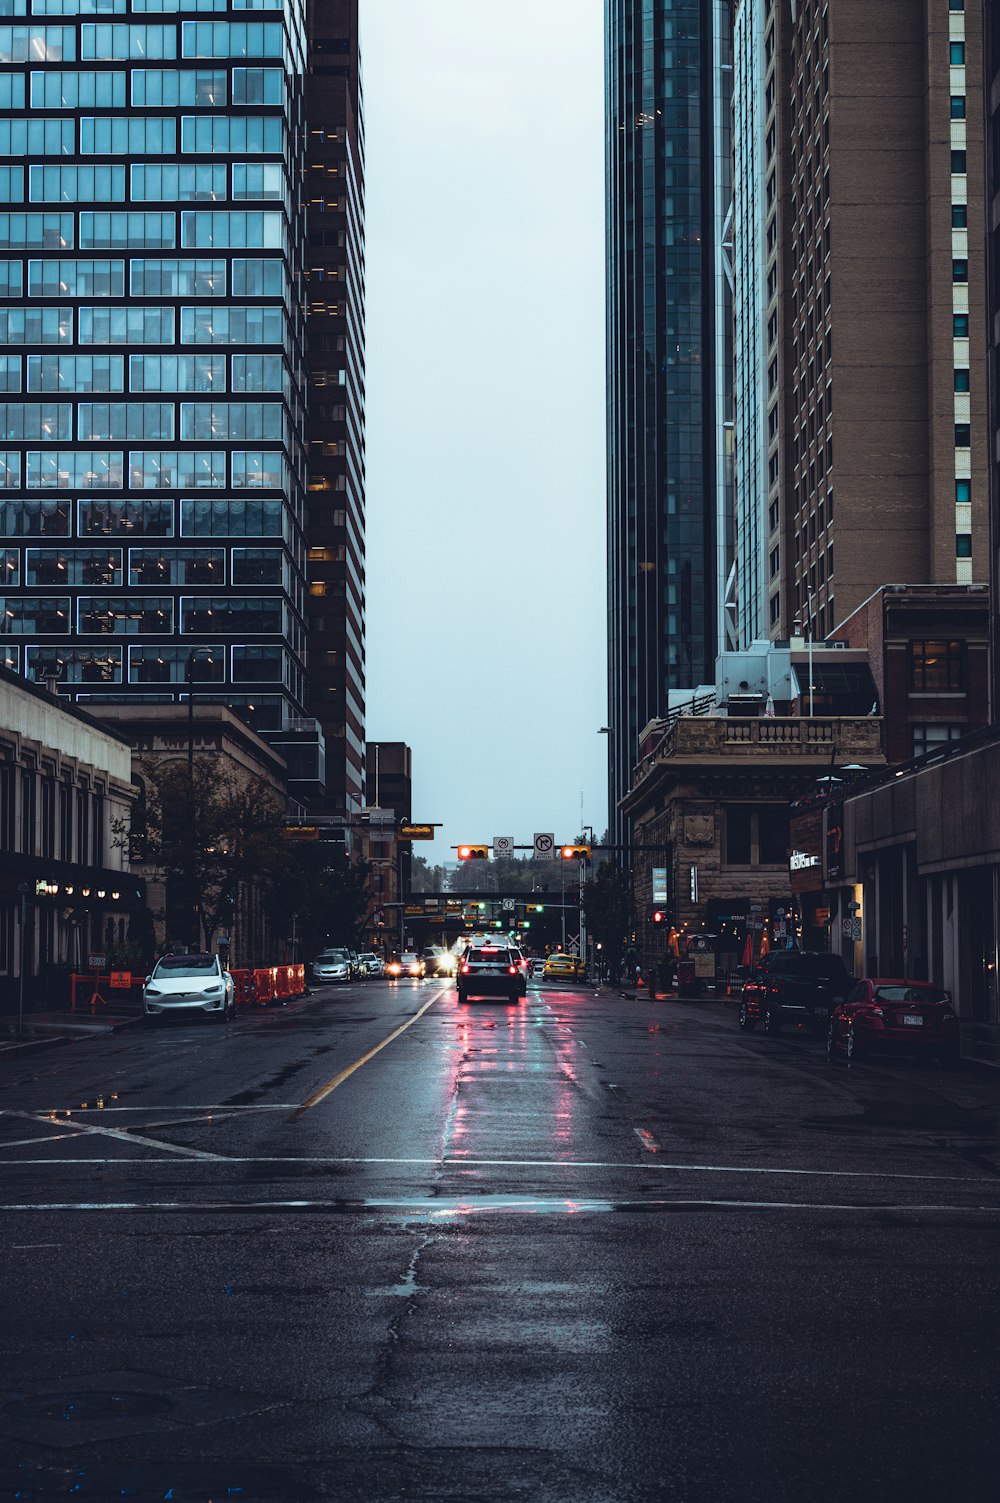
(892, 1016)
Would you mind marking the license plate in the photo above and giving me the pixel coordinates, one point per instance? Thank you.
(912, 1020)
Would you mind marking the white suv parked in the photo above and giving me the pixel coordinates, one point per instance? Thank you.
(190, 984)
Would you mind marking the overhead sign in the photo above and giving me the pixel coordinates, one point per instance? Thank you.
(545, 847)
(503, 846)
(302, 832)
(508, 905)
(659, 884)
(416, 832)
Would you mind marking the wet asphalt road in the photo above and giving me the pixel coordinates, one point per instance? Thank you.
(586, 1249)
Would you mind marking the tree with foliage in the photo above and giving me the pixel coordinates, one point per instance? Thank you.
(427, 878)
(320, 895)
(609, 905)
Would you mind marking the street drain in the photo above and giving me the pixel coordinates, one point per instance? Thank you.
(88, 1406)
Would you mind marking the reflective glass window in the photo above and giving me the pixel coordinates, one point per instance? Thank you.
(125, 616)
(173, 182)
(37, 44)
(203, 615)
(232, 133)
(10, 568)
(129, 325)
(258, 86)
(110, 40)
(120, 231)
(232, 325)
(108, 421)
(11, 278)
(231, 517)
(35, 616)
(43, 137)
(88, 184)
(177, 373)
(163, 664)
(36, 231)
(232, 420)
(77, 373)
(41, 422)
(169, 87)
(176, 469)
(258, 373)
(258, 278)
(11, 91)
(10, 373)
(258, 566)
(36, 326)
(114, 516)
(253, 180)
(75, 665)
(76, 278)
(54, 90)
(12, 185)
(35, 519)
(177, 566)
(254, 469)
(73, 566)
(231, 39)
(236, 228)
(178, 278)
(10, 469)
(74, 469)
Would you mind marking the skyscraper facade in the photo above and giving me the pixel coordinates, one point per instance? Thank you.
(335, 276)
(871, 351)
(151, 322)
(991, 136)
(668, 112)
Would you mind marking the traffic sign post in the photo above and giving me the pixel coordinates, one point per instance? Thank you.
(544, 847)
(503, 847)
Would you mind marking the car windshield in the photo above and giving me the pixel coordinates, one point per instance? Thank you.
(910, 994)
(172, 966)
(334, 955)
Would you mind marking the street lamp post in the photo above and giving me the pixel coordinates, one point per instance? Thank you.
(22, 889)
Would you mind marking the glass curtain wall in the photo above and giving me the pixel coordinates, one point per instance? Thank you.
(151, 348)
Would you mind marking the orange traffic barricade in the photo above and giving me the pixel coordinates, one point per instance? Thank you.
(263, 982)
(282, 990)
(299, 983)
(244, 988)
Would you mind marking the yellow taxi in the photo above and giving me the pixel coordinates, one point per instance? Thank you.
(564, 967)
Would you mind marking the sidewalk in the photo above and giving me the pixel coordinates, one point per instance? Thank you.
(45, 1030)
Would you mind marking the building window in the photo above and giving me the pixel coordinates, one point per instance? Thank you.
(963, 435)
(963, 545)
(960, 325)
(958, 163)
(756, 837)
(957, 54)
(960, 271)
(963, 492)
(928, 737)
(937, 667)
(962, 380)
(958, 106)
(960, 216)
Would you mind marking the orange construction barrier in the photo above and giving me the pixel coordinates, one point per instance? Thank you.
(243, 983)
(299, 983)
(263, 982)
(282, 990)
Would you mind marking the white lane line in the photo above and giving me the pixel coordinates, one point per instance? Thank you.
(122, 1137)
(345, 1074)
(439, 1208)
(645, 1166)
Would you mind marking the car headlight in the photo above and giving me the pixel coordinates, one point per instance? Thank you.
(153, 991)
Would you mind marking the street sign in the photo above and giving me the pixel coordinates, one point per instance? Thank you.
(503, 847)
(847, 928)
(96, 962)
(302, 832)
(659, 884)
(121, 979)
(855, 928)
(508, 905)
(545, 847)
(416, 832)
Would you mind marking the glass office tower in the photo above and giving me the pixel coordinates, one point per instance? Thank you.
(151, 361)
(668, 66)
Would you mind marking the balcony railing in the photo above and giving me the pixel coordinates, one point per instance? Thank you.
(718, 738)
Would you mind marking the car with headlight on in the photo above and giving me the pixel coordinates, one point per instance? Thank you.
(189, 985)
(439, 961)
(886, 1016)
(559, 966)
(407, 964)
(332, 965)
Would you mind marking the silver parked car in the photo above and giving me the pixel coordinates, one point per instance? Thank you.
(196, 983)
(369, 963)
(332, 965)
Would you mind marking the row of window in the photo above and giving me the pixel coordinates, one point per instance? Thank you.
(161, 88)
(154, 517)
(231, 324)
(116, 41)
(146, 566)
(147, 373)
(140, 615)
(44, 422)
(141, 135)
(119, 7)
(250, 663)
(148, 469)
(168, 277)
(221, 229)
(173, 182)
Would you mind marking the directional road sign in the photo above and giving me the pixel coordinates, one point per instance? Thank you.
(545, 847)
(503, 846)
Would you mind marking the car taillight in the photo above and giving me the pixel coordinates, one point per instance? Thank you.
(465, 970)
(875, 1012)
(512, 970)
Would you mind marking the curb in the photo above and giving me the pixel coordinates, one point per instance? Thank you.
(128, 1023)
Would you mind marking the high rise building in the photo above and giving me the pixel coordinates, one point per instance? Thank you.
(152, 508)
(668, 122)
(991, 136)
(335, 274)
(862, 443)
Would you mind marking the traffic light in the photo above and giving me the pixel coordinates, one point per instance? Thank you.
(534, 908)
(473, 852)
(659, 917)
(575, 852)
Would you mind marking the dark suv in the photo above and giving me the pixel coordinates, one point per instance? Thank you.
(792, 986)
(489, 970)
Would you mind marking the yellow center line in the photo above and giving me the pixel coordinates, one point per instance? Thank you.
(331, 1085)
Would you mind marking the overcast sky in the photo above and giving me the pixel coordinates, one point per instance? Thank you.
(486, 416)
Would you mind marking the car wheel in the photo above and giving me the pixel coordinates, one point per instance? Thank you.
(855, 1048)
(747, 1023)
(831, 1046)
(772, 1019)
(463, 996)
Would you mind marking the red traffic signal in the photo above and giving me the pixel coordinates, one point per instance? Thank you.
(473, 852)
(575, 852)
(659, 917)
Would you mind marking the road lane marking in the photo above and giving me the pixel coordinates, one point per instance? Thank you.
(331, 1085)
(439, 1208)
(120, 1134)
(645, 1166)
